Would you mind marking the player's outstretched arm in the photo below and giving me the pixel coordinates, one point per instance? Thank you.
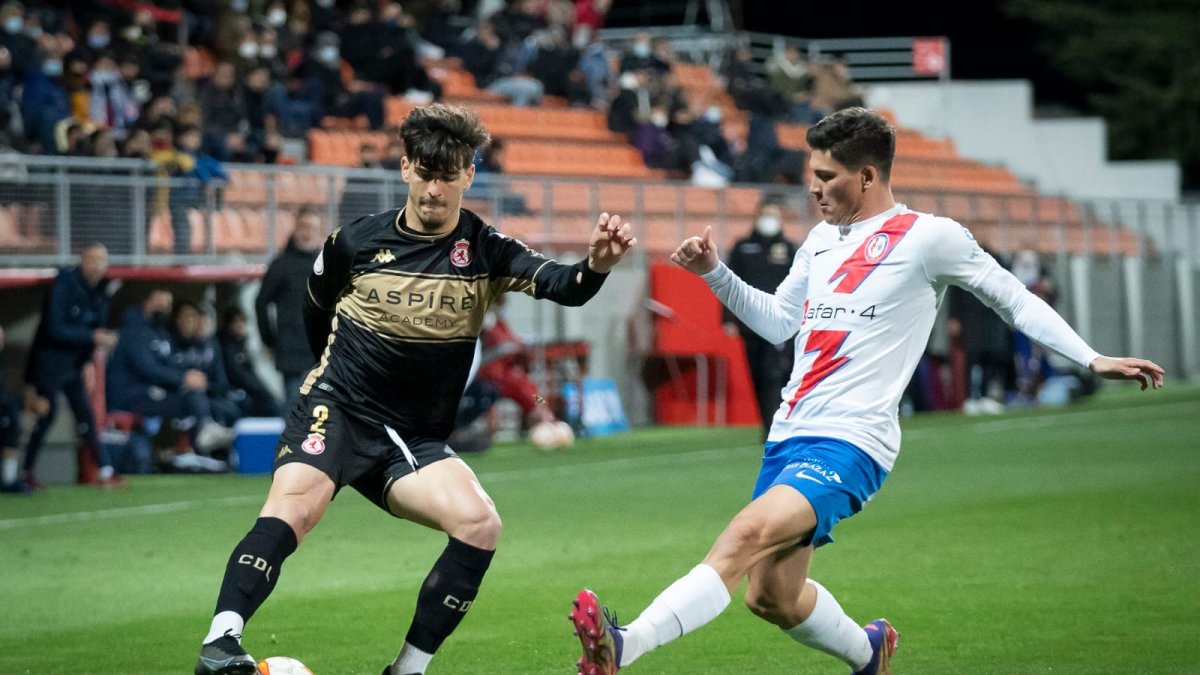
(1127, 368)
(610, 241)
(697, 255)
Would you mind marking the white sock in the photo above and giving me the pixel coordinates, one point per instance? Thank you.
(225, 622)
(8, 471)
(410, 660)
(692, 601)
(828, 629)
(105, 472)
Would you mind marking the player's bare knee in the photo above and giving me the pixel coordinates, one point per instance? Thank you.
(479, 527)
(743, 538)
(765, 606)
(295, 510)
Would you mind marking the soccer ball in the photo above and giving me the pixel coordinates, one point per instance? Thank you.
(282, 665)
(552, 435)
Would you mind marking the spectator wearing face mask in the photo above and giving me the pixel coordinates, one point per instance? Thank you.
(343, 94)
(44, 102)
(706, 149)
(96, 41)
(15, 37)
(762, 258)
(111, 103)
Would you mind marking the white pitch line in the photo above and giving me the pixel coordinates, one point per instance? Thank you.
(125, 511)
(485, 478)
(1067, 416)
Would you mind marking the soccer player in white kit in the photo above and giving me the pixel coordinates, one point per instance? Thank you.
(861, 299)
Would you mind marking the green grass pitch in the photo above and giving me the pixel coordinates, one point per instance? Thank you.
(1062, 540)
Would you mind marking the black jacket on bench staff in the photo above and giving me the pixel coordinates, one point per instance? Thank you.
(393, 315)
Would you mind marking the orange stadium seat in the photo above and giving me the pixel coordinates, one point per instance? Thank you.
(161, 239)
(198, 62)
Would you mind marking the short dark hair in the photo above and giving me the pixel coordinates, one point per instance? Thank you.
(856, 137)
(231, 313)
(443, 137)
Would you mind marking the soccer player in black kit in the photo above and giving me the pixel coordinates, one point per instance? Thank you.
(396, 302)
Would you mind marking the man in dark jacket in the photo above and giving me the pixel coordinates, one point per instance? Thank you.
(144, 378)
(987, 345)
(763, 259)
(74, 316)
(251, 394)
(194, 347)
(281, 297)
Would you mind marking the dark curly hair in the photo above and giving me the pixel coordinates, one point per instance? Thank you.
(856, 137)
(443, 137)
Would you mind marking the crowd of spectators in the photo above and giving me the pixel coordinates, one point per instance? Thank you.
(112, 79)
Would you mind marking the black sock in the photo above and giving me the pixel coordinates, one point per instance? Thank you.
(447, 594)
(253, 568)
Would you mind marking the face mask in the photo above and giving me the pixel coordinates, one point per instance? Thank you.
(628, 81)
(328, 54)
(276, 17)
(141, 91)
(267, 51)
(98, 40)
(103, 77)
(768, 226)
(581, 38)
(248, 50)
(713, 114)
(52, 68)
(659, 120)
(133, 33)
(14, 24)
(641, 50)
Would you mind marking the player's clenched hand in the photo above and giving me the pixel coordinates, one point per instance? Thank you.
(697, 255)
(610, 240)
(1126, 368)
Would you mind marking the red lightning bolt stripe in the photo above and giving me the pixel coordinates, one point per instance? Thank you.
(856, 268)
(826, 343)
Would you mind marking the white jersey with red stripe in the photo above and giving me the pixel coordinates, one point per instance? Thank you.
(861, 301)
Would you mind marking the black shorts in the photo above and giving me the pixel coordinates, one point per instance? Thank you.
(367, 456)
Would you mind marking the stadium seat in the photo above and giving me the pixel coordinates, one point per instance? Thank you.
(161, 239)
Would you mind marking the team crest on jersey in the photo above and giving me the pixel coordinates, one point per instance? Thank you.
(876, 247)
(314, 444)
(779, 253)
(385, 255)
(460, 256)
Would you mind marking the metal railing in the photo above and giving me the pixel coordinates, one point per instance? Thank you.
(1127, 270)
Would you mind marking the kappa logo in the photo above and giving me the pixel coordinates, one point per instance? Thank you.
(283, 452)
(314, 444)
(460, 256)
(385, 255)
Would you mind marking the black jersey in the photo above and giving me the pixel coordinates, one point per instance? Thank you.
(394, 315)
